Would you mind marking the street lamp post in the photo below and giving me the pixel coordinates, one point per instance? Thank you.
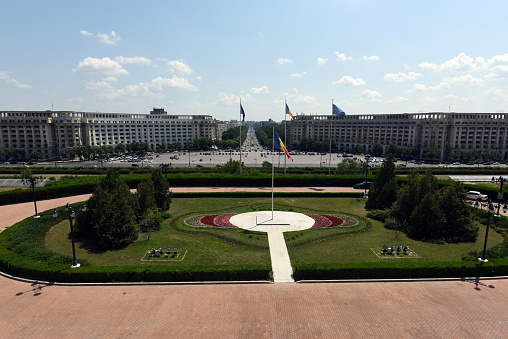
(71, 215)
(490, 210)
(30, 180)
(365, 194)
(501, 181)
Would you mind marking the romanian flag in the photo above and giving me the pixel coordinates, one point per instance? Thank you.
(289, 112)
(278, 144)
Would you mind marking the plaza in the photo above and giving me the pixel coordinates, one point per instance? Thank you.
(454, 308)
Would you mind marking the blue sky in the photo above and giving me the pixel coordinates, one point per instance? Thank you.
(201, 57)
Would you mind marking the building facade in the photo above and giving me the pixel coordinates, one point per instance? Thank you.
(448, 132)
(48, 132)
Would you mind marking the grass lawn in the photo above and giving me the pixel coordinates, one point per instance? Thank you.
(202, 249)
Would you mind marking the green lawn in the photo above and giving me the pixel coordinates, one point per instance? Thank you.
(207, 250)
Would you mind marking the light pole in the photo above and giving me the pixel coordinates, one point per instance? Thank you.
(490, 210)
(30, 180)
(365, 194)
(501, 181)
(71, 215)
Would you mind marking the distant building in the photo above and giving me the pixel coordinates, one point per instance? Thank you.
(448, 132)
(51, 131)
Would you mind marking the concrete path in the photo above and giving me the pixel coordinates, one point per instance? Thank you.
(275, 224)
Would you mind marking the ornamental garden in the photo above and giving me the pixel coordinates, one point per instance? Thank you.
(345, 241)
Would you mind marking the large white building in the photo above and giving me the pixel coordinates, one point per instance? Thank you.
(448, 132)
(51, 131)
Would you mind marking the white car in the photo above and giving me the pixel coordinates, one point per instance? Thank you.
(475, 195)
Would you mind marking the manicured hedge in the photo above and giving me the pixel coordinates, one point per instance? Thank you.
(23, 254)
(400, 270)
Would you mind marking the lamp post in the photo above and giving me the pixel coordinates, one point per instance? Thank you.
(501, 181)
(71, 215)
(30, 180)
(490, 210)
(365, 194)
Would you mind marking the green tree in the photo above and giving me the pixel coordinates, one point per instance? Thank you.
(459, 225)
(146, 196)
(377, 149)
(383, 191)
(426, 220)
(231, 167)
(350, 166)
(120, 148)
(110, 219)
(35, 155)
(161, 186)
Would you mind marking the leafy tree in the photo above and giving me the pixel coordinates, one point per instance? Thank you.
(110, 218)
(350, 166)
(161, 189)
(146, 196)
(377, 149)
(266, 164)
(35, 155)
(383, 191)
(459, 226)
(231, 167)
(120, 148)
(427, 219)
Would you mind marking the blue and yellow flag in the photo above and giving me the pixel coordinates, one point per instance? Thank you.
(278, 144)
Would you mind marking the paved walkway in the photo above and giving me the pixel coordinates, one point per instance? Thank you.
(471, 308)
(275, 223)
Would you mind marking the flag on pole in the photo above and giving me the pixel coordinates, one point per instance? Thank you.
(242, 113)
(289, 112)
(278, 144)
(337, 111)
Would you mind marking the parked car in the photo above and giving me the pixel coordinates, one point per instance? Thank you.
(475, 195)
(363, 185)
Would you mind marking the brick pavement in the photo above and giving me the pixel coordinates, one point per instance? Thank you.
(443, 309)
(452, 309)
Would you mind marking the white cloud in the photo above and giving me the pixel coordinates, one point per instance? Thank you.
(342, 56)
(133, 60)
(85, 33)
(283, 61)
(429, 100)
(461, 63)
(109, 39)
(104, 65)
(261, 90)
(154, 89)
(349, 81)
(496, 94)
(469, 98)
(498, 72)
(397, 99)
(9, 80)
(321, 61)
(180, 67)
(295, 97)
(371, 58)
(402, 77)
(230, 99)
(465, 80)
(371, 94)
(420, 87)
(298, 75)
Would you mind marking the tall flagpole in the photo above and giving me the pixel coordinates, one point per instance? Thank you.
(285, 143)
(273, 160)
(330, 136)
(240, 136)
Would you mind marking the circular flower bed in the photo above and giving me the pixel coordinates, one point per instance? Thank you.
(211, 220)
(222, 220)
